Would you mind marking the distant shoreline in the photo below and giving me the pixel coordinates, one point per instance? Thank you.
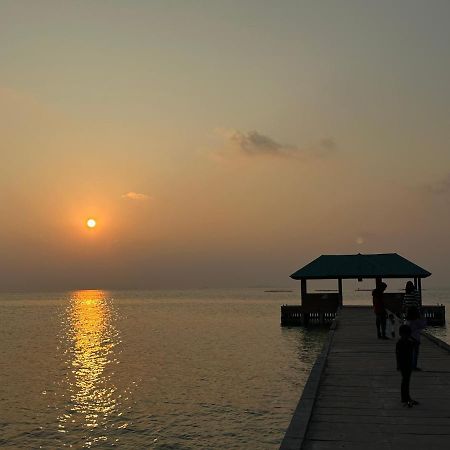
(278, 290)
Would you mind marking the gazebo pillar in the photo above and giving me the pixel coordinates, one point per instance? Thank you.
(378, 282)
(303, 290)
(340, 291)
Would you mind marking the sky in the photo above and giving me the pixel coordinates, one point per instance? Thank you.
(220, 143)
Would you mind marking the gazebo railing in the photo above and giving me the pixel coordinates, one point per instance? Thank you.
(434, 314)
(297, 315)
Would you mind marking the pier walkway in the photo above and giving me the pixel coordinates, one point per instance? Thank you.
(352, 397)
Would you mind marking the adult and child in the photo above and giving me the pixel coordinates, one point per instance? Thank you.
(407, 348)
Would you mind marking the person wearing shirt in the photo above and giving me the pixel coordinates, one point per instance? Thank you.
(411, 298)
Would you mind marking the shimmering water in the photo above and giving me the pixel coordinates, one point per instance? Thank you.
(164, 370)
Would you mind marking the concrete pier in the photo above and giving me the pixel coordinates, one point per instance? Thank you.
(352, 397)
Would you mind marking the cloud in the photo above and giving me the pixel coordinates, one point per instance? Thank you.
(135, 196)
(326, 146)
(255, 144)
(438, 188)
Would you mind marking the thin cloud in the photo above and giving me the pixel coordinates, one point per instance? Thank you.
(135, 196)
(438, 188)
(255, 144)
(326, 146)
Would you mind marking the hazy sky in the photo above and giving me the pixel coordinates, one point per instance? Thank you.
(220, 143)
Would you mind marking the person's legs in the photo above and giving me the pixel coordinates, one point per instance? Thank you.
(406, 376)
(415, 354)
(378, 324)
(383, 325)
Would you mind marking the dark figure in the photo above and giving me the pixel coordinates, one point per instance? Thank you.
(416, 324)
(404, 353)
(380, 310)
(411, 299)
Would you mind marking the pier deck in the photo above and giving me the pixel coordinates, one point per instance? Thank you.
(352, 398)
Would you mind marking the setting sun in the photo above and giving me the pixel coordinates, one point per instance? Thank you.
(91, 223)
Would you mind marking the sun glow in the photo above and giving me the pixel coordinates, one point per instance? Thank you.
(91, 223)
(92, 338)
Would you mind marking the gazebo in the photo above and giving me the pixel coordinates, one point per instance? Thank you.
(322, 307)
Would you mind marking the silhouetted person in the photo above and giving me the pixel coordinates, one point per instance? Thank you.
(417, 324)
(380, 310)
(404, 353)
(411, 298)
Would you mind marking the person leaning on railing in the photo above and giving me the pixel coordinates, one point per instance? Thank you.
(411, 298)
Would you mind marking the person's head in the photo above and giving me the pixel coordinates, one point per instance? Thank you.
(391, 317)
(404, 331)
(409, 287)
(382, 287)
(412, 313)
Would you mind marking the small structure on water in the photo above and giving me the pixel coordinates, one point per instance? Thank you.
(321, 308)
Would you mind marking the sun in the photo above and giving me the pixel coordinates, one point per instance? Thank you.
(91, 223)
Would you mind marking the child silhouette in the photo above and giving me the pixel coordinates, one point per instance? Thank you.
(404, 352)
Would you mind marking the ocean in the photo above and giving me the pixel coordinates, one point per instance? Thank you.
(192, 369)
(164, 370)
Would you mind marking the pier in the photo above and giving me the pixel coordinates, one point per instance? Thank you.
(352, 397)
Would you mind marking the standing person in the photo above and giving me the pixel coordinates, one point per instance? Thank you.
(404, 353)
(380, 310)
(416, 324)
(411, 298)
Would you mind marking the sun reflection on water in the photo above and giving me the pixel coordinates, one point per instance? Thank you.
(92, 339)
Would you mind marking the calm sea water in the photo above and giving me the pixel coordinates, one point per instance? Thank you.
(164, 370)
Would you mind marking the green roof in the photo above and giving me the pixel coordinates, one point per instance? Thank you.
(387, 265)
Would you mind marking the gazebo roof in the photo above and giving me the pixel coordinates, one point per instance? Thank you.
(386, 265)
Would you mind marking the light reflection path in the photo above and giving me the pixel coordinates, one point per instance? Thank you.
(92, 338)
